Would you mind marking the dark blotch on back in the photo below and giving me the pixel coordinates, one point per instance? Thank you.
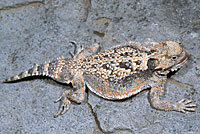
(138, 62)
(105, 66)
(124, 65)
(151, 64)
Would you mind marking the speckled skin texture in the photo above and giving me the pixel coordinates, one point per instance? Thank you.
(116, 73)
(38, 31)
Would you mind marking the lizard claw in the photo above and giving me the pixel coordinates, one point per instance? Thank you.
(64, 105)
(185, 105)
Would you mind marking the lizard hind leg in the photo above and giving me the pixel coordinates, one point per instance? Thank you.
(64, 104)
(77, 95)
(76, 50)
(84, 52)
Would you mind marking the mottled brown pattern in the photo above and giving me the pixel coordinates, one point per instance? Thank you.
(117, 73)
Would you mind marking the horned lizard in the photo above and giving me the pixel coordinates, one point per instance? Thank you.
(116, 73)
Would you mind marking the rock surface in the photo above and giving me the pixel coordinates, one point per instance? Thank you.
(35, 31)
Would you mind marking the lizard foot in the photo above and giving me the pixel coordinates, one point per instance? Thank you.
(64, 104)
(185, 105)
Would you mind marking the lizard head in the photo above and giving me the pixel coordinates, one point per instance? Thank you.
(172, 57)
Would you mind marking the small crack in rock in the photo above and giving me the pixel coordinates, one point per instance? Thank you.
(123, 130)
(95, 117)
(99, 125)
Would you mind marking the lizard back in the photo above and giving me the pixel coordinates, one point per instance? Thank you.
(118, 72)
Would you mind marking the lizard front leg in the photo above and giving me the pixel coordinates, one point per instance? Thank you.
(156, 101)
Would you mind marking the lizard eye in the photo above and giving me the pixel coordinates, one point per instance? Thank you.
(174, 57)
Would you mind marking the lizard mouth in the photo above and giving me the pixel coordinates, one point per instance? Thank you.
(180, 63)
(177, 66)
(183, 60)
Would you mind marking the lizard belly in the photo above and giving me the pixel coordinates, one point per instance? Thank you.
(115, 90)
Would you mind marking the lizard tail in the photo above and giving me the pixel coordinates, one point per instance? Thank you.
(47, 69)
